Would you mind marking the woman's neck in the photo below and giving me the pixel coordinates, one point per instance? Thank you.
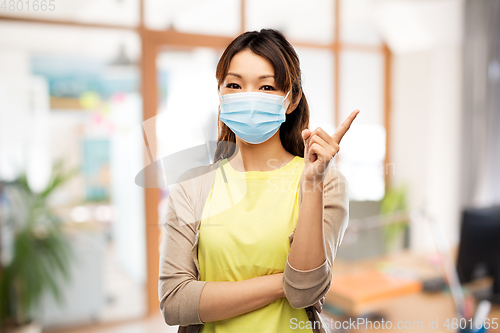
(265, 156)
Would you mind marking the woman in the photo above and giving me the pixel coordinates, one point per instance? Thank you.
(249, 241)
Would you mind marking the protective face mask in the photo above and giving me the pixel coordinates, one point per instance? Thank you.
(253, 116)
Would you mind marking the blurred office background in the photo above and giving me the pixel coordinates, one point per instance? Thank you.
(111, 86)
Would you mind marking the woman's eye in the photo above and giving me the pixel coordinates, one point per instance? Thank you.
(232, 86)
(268, 88)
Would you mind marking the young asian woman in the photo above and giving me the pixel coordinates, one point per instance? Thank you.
(264, 262)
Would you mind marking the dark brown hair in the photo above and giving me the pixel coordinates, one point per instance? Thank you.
(273, 46)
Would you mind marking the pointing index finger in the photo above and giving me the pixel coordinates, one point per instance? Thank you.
(340, 132)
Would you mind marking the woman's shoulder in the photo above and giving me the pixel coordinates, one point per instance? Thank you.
(194, 180)
(197, 174)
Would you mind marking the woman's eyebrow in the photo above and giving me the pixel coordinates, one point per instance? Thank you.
(234, 74)
(265, 76)
(260, 77)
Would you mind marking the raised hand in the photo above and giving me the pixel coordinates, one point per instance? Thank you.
(321, 148)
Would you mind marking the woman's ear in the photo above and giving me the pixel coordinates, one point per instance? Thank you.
(293, 106)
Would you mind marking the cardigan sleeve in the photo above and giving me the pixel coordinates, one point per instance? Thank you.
(304, 288)
(179, 289)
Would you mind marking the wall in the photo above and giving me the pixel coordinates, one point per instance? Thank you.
(426, 119)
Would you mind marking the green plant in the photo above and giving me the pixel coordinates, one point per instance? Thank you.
(394, 201)
(40, 252)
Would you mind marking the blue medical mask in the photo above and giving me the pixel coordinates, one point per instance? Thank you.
(253, 116)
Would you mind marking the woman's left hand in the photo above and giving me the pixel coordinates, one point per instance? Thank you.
(320, 148)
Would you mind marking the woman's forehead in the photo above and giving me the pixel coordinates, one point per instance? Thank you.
(248, 64)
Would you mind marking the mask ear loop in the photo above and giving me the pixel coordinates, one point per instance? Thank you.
(284, 98)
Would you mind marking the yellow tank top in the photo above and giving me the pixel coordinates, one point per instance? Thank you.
(243, 234)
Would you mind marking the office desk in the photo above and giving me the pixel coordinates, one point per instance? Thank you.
(418, 310)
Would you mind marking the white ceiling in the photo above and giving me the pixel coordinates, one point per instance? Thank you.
(405, 25)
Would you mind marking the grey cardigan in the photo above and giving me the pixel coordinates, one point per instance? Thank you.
(179, 287)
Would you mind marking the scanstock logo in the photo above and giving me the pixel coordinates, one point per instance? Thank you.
(173, 168)
(164, 154)
(163, 148)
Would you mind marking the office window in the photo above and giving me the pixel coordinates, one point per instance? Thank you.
(318, 84)
(183, 111)
(91, 100)
(363, 148)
